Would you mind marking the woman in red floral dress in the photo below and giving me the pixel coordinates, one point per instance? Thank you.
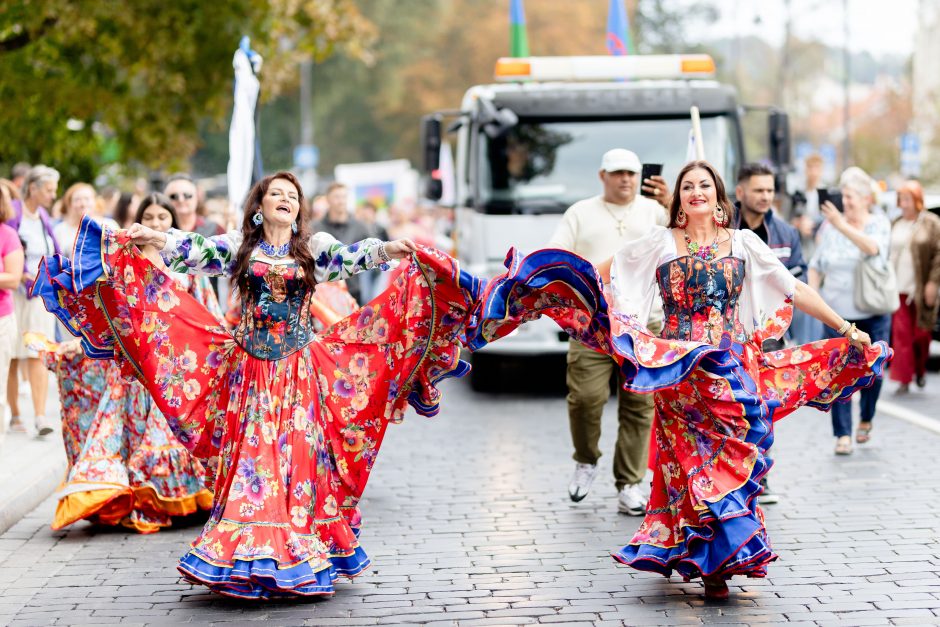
(294, 419)
(716, 393)
(128, 468)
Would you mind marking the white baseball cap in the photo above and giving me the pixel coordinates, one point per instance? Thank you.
(620, 159)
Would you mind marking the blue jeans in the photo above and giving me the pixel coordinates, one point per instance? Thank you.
(879, 328)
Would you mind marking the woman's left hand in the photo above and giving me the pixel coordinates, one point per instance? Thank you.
(863, 340)
(400, 248)
(833, 215)
(70, 348)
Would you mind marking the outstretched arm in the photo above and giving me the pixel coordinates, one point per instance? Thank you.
(811, 303)
(190, 252)
(603, 269)
(336, 261)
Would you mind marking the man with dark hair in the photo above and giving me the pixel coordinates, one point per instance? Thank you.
(755, 197)
(341, 225)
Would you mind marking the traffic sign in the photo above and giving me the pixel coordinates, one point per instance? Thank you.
(306, 156)
(910, 154)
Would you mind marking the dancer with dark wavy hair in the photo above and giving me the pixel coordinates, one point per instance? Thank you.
(716, 392)
(292, 418)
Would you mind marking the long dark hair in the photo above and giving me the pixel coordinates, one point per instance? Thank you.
(156, 198)
(253, 233)
(720, 193)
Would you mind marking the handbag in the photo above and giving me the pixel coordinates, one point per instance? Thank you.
(876, 287)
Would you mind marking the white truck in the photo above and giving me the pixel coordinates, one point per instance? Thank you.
(529, 146)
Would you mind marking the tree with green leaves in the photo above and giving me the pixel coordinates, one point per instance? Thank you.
(80, 79)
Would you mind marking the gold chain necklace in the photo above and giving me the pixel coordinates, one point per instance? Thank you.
(621, 227)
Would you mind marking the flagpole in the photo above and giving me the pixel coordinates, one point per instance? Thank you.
(697, 133)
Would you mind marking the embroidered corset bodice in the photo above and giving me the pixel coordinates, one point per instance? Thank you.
(276, 319)
(700, 298)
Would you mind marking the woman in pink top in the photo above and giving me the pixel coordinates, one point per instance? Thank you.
(11, 273)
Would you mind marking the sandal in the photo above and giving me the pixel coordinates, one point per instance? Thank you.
(844, 445)
(864, 432)
(716, 588)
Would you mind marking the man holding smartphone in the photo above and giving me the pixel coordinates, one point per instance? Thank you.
(755, 197)
(595, 229)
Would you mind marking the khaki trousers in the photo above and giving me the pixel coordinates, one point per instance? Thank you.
(588, 379)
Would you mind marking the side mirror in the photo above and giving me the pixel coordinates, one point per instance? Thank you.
(431, 143)
(778, 127)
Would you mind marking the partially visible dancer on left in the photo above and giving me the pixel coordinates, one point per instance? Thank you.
(915, 255)
(34, 226)
(81, 380)
(131, 470)
(11, 273)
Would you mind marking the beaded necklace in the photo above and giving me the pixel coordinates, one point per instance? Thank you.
(705, 252)
(272, 251)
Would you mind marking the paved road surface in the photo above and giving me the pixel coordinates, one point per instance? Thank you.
(468, 522)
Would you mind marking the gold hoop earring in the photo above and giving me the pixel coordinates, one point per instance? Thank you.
(718, 215)
(681, 219)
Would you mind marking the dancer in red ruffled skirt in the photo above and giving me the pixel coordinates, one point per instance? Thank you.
(293, 419)
(716, 393)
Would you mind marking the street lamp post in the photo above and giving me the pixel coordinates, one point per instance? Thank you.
(846, 84)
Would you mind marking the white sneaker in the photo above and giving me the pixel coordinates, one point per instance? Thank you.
(580, 485)
(630, 500)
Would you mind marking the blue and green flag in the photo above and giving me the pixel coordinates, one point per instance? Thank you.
(518, 39)
(619, 42)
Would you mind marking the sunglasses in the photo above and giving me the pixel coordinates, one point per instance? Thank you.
(177, 197)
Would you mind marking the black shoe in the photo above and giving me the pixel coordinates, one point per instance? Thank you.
(767, 497)
(921, 381)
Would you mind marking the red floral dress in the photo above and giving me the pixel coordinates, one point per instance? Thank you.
(294, 419)
(129, 468)
(716, 393)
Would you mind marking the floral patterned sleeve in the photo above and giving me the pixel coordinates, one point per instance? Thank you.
(336, 261)
(191, 253)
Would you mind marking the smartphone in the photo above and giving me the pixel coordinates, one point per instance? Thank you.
(648, 170)
(832, 195)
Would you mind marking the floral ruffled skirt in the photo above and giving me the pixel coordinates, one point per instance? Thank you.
(715, 408)
(294, 439)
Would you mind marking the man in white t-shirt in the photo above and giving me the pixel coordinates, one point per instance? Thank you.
(595, 229)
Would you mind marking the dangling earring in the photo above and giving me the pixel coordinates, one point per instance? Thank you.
(293, 226)
(257, 219)
(681, 219)
(718, 215)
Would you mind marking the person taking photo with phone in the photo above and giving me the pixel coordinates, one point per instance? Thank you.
(847, 239)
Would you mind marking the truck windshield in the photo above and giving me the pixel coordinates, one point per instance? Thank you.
(543, 166)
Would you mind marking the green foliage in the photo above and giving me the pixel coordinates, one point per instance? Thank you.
(145, 73)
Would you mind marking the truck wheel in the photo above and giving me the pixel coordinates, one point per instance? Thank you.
(484, 377)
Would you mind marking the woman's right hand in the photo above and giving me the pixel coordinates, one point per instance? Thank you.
(835, 217)
(145, 236)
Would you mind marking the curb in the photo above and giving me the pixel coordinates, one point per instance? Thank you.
(908, 415)
(28, 496)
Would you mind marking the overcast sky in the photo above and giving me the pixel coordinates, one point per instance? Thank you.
(879, 26)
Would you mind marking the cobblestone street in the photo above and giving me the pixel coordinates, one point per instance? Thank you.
(468, 522)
